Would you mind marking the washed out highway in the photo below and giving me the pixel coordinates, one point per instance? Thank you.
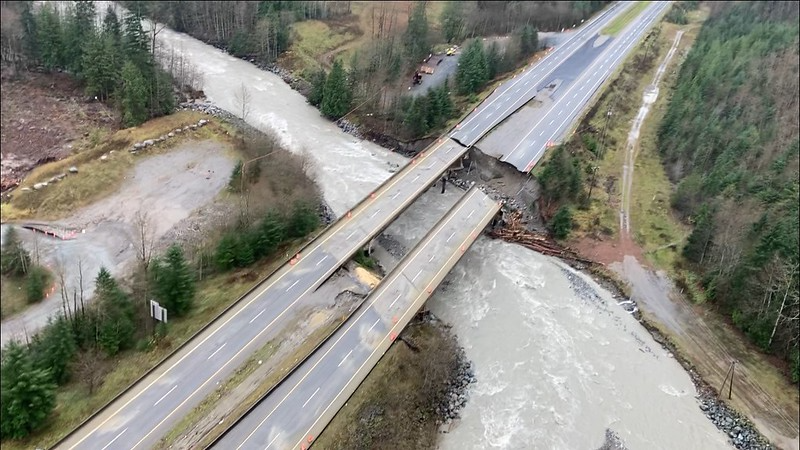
(141, 416)
(298, 410)
(575, 70)
(146, 412)
(513, 94)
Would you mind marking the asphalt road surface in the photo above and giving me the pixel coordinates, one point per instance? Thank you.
(518, 91)
(145, 413)
(300, 408)
(579, 77)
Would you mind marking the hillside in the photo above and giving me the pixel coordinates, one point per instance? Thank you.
(729, 141)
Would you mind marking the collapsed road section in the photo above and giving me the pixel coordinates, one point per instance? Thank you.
(299, 408)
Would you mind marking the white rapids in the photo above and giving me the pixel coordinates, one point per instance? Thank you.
(557, 365)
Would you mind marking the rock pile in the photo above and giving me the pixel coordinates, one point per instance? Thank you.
(349, 128)
(206, 108)
(741, 432)
(456, 395)
(53, 180)
(151, 142)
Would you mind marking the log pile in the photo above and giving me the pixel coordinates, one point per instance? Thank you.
(514, 231)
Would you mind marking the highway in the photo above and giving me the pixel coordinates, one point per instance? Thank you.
(577, 69)
(146, 412)
(299, 408)
(513, 94)
(572, 96)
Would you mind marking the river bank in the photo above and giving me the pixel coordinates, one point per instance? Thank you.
(496, 288)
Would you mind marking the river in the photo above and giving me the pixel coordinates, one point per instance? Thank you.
(557, 361)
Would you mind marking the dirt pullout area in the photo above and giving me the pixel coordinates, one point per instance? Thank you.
(42, 116)
(166, 188)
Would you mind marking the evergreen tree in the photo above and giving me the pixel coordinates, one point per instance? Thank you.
(452, 20)
(100, 67)
(162, 99)
(445, 102)
(336, 96)
(472, 71)
(415, 39)
(174, 282)
(698, 242)
(304, 220)
(49, 37)
(27, 394)
(135, 43)
(35, 284)
(493, 61)
(80, 30)
(115, 315)
(561, 224)
(434, 106)
(528, 41)
(271, 233)
(53, 348)
(112, 26)
(225, 254)
(416, 119)
(133, 96)
(14, 259)
(30, 37)
(317, 87)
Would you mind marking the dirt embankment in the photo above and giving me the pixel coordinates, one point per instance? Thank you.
(44, 116)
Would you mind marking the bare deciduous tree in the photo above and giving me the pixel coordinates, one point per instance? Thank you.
(144, 239)
(243, 98)
(89, 368)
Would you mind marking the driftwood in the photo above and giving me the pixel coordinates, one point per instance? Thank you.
(514, 231)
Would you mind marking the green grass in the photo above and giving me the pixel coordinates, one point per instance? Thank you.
(314, 38)
(621, 21)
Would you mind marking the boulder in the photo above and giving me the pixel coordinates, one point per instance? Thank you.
(26, 189)
(73, 169)
(38, 186)
(193, 126)
(104, 158)
(149, 142)
(138, 145)
(170, 134)
(178, 130)
(202, 122)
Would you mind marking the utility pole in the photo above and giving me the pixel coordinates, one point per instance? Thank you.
(601, 152)
(730, 386)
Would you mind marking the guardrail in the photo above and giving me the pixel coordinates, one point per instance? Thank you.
(236, 302)
(433, 230)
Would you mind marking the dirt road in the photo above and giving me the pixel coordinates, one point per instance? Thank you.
(168, 187)
(760, 391)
